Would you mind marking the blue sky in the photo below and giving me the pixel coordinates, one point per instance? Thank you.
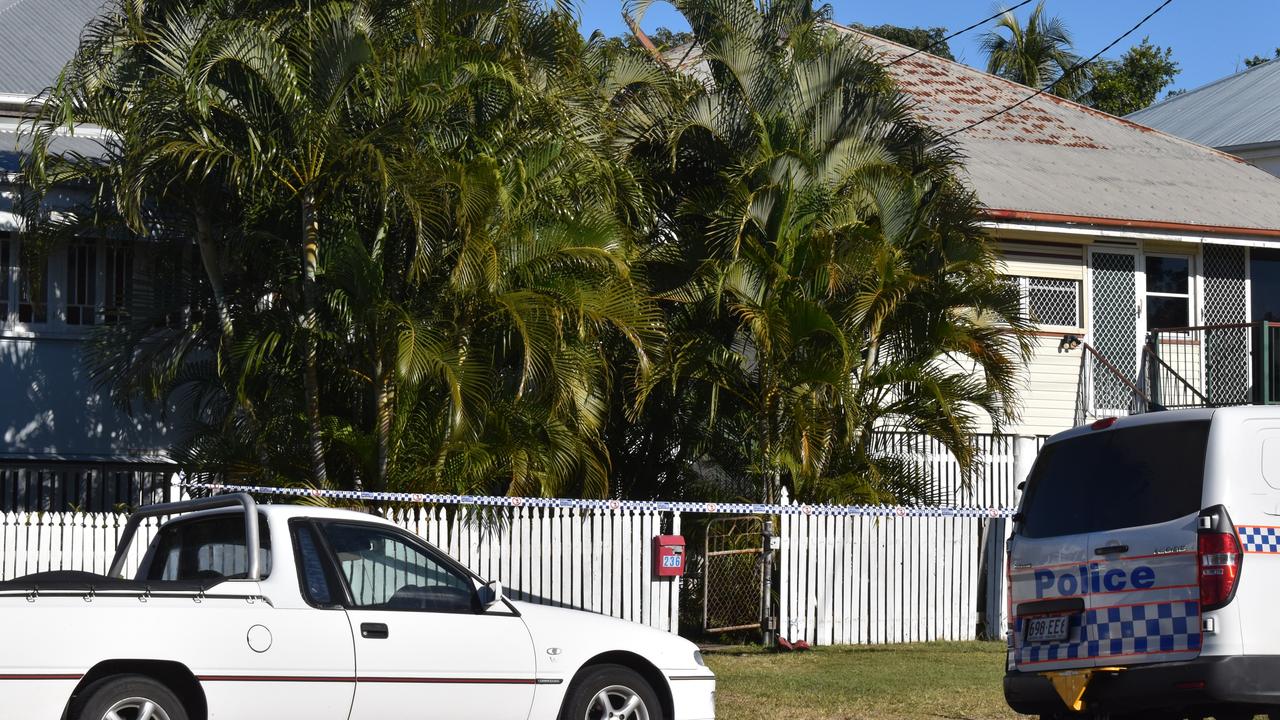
(1210, 38)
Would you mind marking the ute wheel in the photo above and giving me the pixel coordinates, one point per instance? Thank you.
(612, 692)
(129, 697)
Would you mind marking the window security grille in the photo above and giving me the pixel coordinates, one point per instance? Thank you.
(1050, 301)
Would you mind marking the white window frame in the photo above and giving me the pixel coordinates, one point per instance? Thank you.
(1190, 295)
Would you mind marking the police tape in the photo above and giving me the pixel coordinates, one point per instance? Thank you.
(718, 508)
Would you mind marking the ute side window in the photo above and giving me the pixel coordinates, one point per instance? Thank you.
(206, 549)
(386, 570)
(1112, 479)
(312, 568)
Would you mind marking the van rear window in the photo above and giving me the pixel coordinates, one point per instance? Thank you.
(1127, 477)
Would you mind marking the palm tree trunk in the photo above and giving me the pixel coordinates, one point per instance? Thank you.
(311, 380)
(213, 269)
(384, 394)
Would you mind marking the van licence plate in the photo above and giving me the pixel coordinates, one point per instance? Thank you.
(1048, 629)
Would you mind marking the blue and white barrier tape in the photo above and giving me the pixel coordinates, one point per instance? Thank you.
(642, 505)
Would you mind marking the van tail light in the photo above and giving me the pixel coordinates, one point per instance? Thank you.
(1218, 559)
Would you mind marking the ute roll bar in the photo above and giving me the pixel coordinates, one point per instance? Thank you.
(243, 500)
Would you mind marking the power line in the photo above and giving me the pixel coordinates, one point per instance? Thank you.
(1061, 77)
(958, 33)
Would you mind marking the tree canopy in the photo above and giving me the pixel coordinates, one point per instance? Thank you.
(932, 40)
(452, 246)
(1134, 81)
(1257, 60)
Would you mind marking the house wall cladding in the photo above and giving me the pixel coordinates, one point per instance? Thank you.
(52, 407)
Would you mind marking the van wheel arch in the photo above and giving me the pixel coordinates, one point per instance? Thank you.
(173, 675)
(647, 670)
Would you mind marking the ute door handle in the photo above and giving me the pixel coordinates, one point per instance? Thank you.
(374, 631)
(1111, 549)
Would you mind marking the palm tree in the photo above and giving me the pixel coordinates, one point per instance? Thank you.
(843, 275)
(450, 159)
(1037, 55)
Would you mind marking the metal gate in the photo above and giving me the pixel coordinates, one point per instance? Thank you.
(733, 596)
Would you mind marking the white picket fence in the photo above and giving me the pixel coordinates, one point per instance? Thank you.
(598, 560)
(843, 579)
(872, 580)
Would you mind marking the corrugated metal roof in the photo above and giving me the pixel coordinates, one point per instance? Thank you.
(1243, 109)
(1054, 157)
(38, 37)
(1057, 161)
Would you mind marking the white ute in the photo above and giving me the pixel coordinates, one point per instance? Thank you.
(1145, 570)
(339, 615)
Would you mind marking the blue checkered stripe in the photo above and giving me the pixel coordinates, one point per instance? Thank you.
(1259, 539)
(1169, 627)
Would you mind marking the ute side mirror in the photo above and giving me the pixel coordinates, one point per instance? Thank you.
(491, 594)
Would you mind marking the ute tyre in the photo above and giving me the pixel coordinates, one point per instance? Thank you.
(612, 692)
(129, 697)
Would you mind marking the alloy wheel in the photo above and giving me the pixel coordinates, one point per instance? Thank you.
(617, 702)
(136, 709)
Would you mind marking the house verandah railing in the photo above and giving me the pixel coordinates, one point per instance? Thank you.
(1188, 367)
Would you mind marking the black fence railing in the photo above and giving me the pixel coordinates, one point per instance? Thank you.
(1209, 366)
(86, 487)
(1186, 367)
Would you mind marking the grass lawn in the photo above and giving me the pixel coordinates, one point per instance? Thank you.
(937, 680)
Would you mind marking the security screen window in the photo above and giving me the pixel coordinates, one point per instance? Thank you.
(1168, 291)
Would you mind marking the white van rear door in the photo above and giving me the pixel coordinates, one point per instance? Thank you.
(1107, 537)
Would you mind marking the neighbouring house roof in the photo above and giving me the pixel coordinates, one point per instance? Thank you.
(1234, 112)
(14, 144)
(1055, 161)
(39, 37)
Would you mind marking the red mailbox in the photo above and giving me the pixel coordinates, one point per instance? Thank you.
(668, 555)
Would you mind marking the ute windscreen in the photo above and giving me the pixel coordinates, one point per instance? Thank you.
(1110, 479)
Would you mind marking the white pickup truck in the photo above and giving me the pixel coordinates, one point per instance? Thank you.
(338, 615)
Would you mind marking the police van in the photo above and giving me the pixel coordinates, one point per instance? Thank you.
(1144, 570)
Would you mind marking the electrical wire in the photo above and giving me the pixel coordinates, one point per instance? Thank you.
(958, 33)
(1061, 77)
